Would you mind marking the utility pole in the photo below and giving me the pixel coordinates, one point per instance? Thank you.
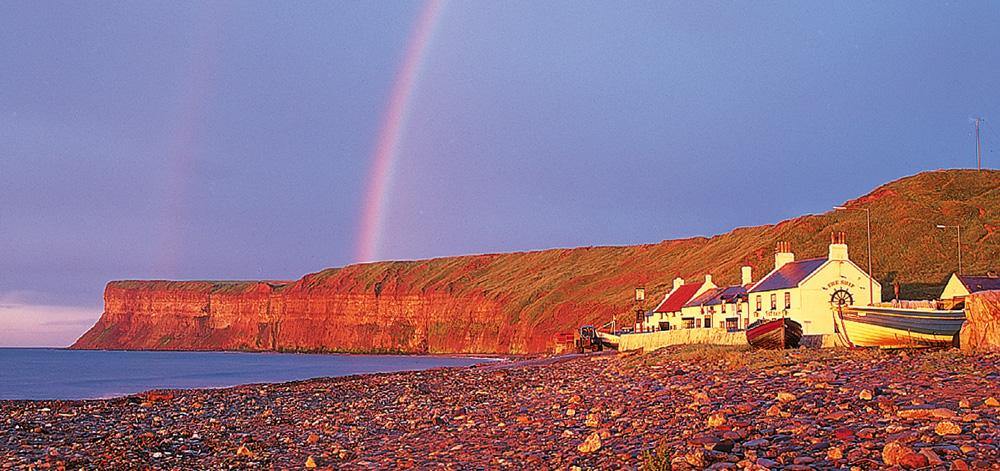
(979, 147)
(871, 289)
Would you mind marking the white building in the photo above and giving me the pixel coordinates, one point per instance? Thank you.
(722, 308)
(665, 316)
(809, 291)
(960, 286)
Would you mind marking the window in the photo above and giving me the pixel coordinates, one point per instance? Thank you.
(774, 301)
(758, 302)
(708, 322)
(788, 299)
(723, 308)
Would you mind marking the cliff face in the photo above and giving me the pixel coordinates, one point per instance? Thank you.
(518, 302)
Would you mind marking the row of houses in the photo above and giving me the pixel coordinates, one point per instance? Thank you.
(808, 291)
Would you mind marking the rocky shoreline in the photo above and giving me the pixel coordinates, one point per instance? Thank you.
(689, 407)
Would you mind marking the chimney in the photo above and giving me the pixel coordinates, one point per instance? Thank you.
(678, 282)
(708, 279)
(747, 278)
(783, 254)
(838, 246)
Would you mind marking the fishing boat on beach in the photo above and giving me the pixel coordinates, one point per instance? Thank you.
(774, 334)
(891, 327)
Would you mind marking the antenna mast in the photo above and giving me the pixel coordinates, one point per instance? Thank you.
(979, 147)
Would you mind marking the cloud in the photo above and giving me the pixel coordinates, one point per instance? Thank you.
(40, 325)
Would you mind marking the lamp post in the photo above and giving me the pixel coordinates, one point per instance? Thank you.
(959, 229)
(868, 224)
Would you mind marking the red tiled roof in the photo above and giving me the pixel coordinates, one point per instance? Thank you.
(679, 297)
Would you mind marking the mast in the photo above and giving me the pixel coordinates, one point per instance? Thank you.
(979, 147)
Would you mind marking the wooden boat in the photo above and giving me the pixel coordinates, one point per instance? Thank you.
(889, 327)
(774, 333)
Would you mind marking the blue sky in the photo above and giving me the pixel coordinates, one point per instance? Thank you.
(200, 140)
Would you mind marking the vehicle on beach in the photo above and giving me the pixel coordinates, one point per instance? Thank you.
(589, 340)
(891, 327)
(774, 334)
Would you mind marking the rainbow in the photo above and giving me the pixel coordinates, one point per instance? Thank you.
(393, 123)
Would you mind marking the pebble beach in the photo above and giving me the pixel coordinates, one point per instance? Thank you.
(679, 407)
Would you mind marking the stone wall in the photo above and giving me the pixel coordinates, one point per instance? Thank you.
(981, 331)
(665, 338)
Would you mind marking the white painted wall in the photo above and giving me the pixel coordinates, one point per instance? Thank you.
(954, 288)
(811, 301)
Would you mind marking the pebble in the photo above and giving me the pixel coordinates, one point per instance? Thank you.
(760, 442)
(710, 412)
(591, 444)
(716, 420)
(947, 428)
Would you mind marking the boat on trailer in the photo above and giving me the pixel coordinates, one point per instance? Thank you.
(774, 334)
(891, 327)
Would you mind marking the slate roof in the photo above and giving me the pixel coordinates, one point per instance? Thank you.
(703, 298)
(979, 283)
(728, 295)
(789, 275)
(716, 296)
(675, 300)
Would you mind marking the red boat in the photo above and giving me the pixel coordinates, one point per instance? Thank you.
(774, 334)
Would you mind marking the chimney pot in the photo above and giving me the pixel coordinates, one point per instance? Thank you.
(784, 255)
(678, 282)
(838, 248)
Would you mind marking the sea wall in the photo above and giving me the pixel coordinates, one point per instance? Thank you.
(981, 331)
(665, 338)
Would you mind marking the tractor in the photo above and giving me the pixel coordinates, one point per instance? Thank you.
(589, 340)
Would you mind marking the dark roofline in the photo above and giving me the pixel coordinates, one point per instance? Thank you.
(753, 289)
(974, 283)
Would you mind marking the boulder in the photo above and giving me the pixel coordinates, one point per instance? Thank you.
(981, 331)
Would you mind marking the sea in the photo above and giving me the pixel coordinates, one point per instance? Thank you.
(50, 373)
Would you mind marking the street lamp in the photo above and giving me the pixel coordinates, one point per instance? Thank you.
(868, 223)
(959, 229)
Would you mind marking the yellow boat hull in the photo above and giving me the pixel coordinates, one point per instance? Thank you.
(868, 335)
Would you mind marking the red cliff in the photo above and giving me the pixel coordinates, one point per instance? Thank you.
(518, 302)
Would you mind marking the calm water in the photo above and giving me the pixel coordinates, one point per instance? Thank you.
(41, 373)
